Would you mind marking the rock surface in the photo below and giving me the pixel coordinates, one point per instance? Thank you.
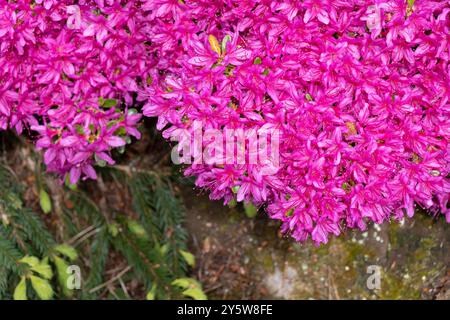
(242, 258)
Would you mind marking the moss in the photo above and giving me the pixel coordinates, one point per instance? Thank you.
(267, 262)
(414, 257)
(393, 234)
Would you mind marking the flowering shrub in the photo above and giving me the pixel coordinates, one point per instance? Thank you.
(64, 65)
(358, 89)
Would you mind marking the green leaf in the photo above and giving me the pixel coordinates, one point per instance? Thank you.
(30, 260)
(132, 111)
(151, 295)
(411, 3)
(195, 293)
(100, 162)
(40, 267)
(79, 129)
(67, 251)
(45, 202)
(224, 43)
(289, 213)
(189, 257)
(250, 209)
(232, 203)
(185, 283)
(120, 132)
(257, 60)
(108, 103)
(42, 287)
(72, 187)
(164, 249)
(20, 293)
(43, 269)
(191, 288)
(63, 276)
(113, 229)
(137, 229)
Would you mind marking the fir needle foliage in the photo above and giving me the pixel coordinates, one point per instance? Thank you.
(26, 245)
(150, 238)
(152, 242)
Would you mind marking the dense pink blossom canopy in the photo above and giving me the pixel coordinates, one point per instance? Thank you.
(358, 89)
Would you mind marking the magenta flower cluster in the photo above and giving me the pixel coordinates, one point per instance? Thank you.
(65, 66)
(359, 91)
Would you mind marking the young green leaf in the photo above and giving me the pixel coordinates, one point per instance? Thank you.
(63, 276)
(232, 203)
(113, 229)
(195, 293)
(137, 229)
(289, 213)
(67, 251)
(42, 287)
(30, 260)
(191, 288)
(20, 293)
(250, 209)
(184, 283)
(189, 257)
(151, 295)
(43, 269)
(257, 60)
(72, 187)
(164, 249)
(224, 43)
(45, 202)
(109, 103)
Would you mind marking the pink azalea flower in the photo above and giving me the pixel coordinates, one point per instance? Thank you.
(359, 92)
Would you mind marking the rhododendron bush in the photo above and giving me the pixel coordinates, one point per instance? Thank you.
(359, 91)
